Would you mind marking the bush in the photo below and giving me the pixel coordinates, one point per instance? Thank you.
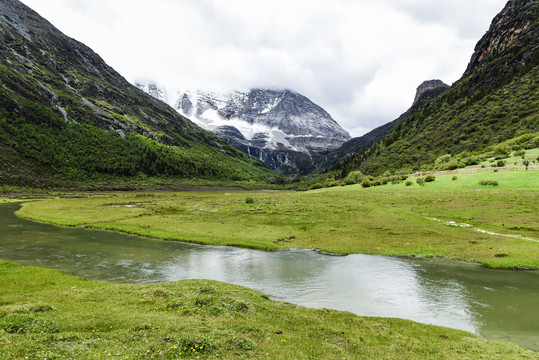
(454, 177)
(316, 186)
(354, 177)
(408, 183)
(430, 178)
(470, 161)
(519, 153)
(488, 182)
(329, 181)
(332, 183)
(500, 163)
(502, 150)
(249, 200)
(443, 159)
(420, 181)
(366, 183)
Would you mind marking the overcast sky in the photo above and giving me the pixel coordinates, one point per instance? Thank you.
(361, 60)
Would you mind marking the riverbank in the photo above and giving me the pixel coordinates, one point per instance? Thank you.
(496, 226)
(50, 314)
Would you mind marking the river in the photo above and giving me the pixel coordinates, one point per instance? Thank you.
(496, 304)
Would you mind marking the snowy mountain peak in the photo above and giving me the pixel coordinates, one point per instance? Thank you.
(263, 120)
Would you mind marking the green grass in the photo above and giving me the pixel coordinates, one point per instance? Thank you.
(391, 219)
(49, 314)
(531, 155)
(3, 200)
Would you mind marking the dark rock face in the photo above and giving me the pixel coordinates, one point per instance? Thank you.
(284, 129)
(508, 48)
(514, 27)
(428, 86)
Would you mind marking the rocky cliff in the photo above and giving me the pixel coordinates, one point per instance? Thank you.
(508, 48)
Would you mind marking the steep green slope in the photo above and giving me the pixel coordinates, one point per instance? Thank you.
(359, 144)
(66, 115)
(496, 99)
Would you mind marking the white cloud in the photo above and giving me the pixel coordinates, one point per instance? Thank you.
(360, 60)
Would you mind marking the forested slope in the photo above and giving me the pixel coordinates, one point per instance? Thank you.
(497, 99)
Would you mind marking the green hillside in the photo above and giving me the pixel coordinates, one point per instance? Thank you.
(497, 99)
(65, 116)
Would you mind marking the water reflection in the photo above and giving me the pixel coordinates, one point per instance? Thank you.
(496, 304)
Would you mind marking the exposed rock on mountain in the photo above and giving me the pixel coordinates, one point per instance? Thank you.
(428, 90)
(509, 48)
(65, 114)
(280, 127)
(513, 33)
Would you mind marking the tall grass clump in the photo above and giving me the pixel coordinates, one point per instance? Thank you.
(488, 182)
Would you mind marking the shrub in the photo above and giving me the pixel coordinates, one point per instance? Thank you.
(420, 181)
(443, 159)
(470, 161)
(354, 177)
(500, 163)
(488, 182)
(316, 186)
(454, 177)
(332, 183)
(502, 150)
(408, 183)
(329, 181)
(366, 183)
(430, 178)
(452, 165)
(519, 153)
(249, 200)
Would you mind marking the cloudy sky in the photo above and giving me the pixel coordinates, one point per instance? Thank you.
(361, 60)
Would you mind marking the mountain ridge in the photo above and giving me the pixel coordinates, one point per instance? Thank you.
(425, 92)
(62, 108)
(283, 128)
(496, 99)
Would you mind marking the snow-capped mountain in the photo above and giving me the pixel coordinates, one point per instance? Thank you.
(280, 127)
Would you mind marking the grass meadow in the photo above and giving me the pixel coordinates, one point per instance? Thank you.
(47, 314)
(452, 217)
